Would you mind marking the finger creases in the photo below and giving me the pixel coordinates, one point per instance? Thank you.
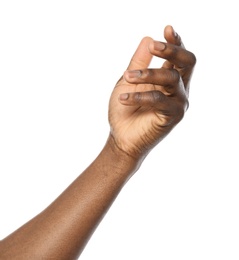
(162, 76)
(153, 98)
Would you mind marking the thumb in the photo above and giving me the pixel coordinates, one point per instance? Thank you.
(142, 57)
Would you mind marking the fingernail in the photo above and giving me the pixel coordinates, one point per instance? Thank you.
(124, 96)
(134, 73)
(159, 46)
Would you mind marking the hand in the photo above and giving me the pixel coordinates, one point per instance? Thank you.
(146, 104)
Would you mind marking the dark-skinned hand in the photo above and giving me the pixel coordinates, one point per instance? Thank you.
(147, 103)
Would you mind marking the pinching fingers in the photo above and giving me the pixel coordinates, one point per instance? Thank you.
(177, 55)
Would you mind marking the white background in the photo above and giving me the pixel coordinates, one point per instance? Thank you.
(59, 61)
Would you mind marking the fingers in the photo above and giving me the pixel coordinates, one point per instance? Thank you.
(182, 60)
(174, 53)
(172, 37)
(166, 80)
(167, 110)
(142, 57)
(147, 98)
(178, 56)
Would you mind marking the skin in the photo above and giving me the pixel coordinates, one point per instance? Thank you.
(145, 105)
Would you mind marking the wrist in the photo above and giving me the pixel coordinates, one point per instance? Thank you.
(124, 163)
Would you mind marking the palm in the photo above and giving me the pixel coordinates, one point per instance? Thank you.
(135, 128)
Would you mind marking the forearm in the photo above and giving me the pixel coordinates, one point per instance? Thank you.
(62, 230)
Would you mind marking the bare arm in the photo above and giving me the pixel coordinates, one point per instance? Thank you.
(62, 230)
(144, 107)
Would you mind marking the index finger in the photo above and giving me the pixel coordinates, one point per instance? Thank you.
(177, 55)
(142, 57)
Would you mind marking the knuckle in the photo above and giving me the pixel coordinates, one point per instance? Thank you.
(147, 74)
(181, 113)
(150, 98)
(192, 59)
(181, 110)
(156, 96)
(172, 51)
(174, 76)
(138, 97)
(178, 114)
